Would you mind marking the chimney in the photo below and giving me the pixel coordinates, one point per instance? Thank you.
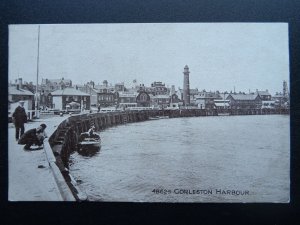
(20, 83)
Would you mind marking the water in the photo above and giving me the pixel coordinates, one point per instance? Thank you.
(199, 159)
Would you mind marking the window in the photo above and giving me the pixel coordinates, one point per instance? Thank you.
(143, 97)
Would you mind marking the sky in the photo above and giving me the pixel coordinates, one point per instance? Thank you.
(221, 56)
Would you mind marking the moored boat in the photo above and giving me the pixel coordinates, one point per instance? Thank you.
(223, 114)
(89, 142)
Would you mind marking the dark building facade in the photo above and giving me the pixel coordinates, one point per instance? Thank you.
(244, 101)
(143, 99)
(174, 100)
(105, 99)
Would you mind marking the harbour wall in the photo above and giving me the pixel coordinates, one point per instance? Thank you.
(64, 140)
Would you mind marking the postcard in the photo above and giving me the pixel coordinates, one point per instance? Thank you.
(149, 112)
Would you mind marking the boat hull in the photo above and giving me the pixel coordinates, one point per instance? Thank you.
(89, 148)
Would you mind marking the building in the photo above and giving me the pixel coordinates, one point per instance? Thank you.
(268, 104)
(49, 85)
(120, 87)
(105, 87)
(69, 99)
(244, 101)
(141, 88)
(264, 95)
(143, 99)
(159, 88)
(206, 100)
(174, 101)
(127, 99)
(106, 99)
(15, 94)
(106, 95)
(193, 95)
(222, 102)
(90, 89)
(160, 101)
(93, 94)
(280, 100)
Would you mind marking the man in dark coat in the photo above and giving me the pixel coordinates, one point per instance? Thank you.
(19, 118)
(33, 136)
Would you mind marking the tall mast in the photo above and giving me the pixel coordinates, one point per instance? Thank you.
(37, 76)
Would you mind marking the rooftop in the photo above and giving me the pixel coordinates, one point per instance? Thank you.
(100, 87)
(160, 96)
(44, 81)
(263, 93)
(69, 91)
(127, 94)
(14, 91)
(243, 96)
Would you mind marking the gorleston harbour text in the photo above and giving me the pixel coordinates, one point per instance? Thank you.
(210, 192)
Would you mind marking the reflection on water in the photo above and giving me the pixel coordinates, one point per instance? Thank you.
(190, 160)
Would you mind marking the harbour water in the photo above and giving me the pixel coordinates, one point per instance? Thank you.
(196, 159)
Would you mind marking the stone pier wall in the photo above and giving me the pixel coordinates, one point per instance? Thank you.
(64, 140)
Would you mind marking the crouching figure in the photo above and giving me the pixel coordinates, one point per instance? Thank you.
(33, 136)
(90, 135)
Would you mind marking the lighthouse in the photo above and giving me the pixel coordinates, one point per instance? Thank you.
(186, 86)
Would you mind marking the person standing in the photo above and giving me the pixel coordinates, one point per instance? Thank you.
(19, 118)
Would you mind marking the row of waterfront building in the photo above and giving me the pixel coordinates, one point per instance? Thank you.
(62, 95)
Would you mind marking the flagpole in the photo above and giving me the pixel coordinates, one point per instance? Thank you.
(37, 75)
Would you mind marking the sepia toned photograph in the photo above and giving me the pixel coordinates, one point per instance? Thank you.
(149, 112)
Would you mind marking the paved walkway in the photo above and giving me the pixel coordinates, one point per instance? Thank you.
(28, 182)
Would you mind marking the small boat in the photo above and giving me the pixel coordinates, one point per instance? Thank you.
(163, 117)
(154, 118)
(88, 144)
(223, 114)
(158, 117)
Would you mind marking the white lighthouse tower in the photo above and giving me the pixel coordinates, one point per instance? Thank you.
(186, 86)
